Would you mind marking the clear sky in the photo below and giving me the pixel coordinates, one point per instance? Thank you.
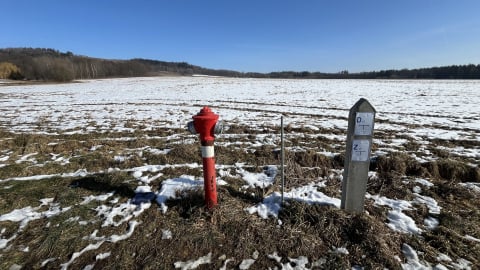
(253, 35)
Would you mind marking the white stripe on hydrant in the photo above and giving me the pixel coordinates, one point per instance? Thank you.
(207, 152)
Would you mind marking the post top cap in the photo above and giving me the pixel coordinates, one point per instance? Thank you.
(362, 105)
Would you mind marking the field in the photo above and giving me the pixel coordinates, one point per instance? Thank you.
(103, 174)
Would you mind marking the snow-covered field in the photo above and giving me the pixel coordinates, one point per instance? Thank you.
(440, 109)
(424, 112)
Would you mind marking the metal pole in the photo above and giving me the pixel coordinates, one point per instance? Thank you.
(282, 156)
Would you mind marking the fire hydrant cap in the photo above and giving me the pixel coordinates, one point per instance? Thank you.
(204, 123)
(206, 109)
(206, 112)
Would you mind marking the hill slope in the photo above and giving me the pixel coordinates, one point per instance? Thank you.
(52, 65)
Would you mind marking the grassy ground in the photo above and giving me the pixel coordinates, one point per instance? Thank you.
(228, 233)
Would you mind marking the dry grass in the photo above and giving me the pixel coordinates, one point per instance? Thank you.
(313, 231)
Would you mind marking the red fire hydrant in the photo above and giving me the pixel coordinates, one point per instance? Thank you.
(205, 124)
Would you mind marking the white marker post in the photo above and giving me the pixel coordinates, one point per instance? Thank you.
(357, 158)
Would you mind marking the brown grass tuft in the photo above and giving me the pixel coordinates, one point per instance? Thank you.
(181, 154)
(457, 171)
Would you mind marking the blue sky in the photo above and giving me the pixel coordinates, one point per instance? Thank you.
(253, 35)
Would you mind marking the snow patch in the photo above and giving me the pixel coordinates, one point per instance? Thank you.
(308, 194)
(413, 263)
(193, 264)
(103, 256)
(27, 214)
(261, 180)
(166, 234)
(104, 197)
(170, 187)
(398, 221)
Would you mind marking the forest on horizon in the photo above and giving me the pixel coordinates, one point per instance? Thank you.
(43, 64)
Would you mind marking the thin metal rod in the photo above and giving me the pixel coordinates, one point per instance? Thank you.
(282, 156)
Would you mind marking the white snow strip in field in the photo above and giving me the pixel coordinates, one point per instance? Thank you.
(27, 214)
(131, 228)
(100, 240)
(91, 198)
(117, 215)
(143, 189)
(194, 263)
(424, 182)
(102, 256)
(137, 173)
(462, 151)
(170, 187)
(300, 263)
(471, 185)
(431, 223)
(413, 262)
(246, 264)
(398, 221)
(394, 204)
(253, 180)
(461, 264)
(155, 151)
(431, 203)
(341, 250)
(45, 262)
(79, 173)
(4, 241)
(26, 158)
(471, 238)
(75, 255)
(443, 258)
(308, 194)
(166, 234)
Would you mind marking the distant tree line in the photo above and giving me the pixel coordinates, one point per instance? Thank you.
(447, 72)
(52, 65)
